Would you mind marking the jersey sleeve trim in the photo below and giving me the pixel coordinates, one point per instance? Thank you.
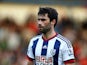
(30, 59)
(69, 61)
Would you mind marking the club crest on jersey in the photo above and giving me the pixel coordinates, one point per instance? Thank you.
(53, 52)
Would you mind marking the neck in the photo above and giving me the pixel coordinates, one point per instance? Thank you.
(49, 34)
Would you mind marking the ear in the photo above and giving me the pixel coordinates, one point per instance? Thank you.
(53, 21)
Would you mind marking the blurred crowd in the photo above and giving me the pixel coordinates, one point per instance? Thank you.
(14, 39)
(76, 32)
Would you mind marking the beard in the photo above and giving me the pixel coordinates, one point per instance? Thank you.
(45, 29)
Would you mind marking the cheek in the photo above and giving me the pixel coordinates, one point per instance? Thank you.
(48, 26)
(46, 23)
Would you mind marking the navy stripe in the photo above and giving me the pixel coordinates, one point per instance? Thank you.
(34, 46)
(44, 48)
(56, 47)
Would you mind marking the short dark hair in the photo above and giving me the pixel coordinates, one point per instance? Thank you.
(52, 13)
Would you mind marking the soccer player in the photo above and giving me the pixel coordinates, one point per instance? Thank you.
(49, 48)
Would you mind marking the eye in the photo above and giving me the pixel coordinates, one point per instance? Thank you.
(42, 19)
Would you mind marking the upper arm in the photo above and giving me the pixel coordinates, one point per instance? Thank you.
(68, 54)
(30, 51)
(30, 55)
(30, 62)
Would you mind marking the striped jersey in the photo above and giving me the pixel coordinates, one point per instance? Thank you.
(54, 51)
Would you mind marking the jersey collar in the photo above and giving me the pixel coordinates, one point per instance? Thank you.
(49, 38)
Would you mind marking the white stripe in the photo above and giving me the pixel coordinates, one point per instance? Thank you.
(39, 47)
(51, 44)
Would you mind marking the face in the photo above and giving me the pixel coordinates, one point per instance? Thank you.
(44, 23)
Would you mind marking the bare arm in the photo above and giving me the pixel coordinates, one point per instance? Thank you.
(30, 63)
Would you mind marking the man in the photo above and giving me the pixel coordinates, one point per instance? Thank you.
(49, 48)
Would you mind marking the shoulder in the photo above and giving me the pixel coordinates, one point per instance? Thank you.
(62, 38)
(64, 41)
(36, 37)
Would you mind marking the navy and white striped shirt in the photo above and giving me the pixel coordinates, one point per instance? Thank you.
(54, 51)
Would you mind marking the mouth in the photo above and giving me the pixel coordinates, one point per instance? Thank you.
(40, 28)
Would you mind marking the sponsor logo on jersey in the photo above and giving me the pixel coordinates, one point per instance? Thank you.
(43, 60)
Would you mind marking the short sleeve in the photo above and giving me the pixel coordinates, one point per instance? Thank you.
(30, 51)
(67, 51)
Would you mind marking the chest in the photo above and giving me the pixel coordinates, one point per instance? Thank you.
(46, 48)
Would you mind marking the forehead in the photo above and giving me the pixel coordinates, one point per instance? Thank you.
(43, 16)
